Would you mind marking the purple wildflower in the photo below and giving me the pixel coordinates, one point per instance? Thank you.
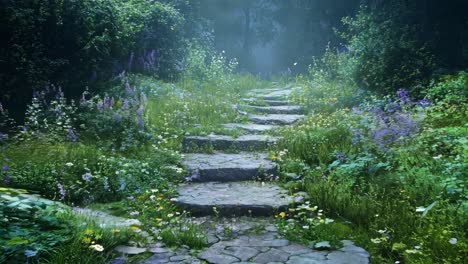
(61, 191)
(340, 156)
(140, 117)
(86, 177)
(125, 105)
(7, 179)
(143, 98)
(4, 168)
(356, 136)
(128, 89)
(403, 96)
(72, 135)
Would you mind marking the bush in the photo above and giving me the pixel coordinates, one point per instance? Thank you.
(449, 98)
(75, 43)
(388, 54)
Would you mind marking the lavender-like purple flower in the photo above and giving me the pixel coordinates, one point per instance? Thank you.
(128, 89)
(403, 96)
(125, 105)
(7, 179)
(87, 177)
(139, 113)
(61, 191)
(4, 168)
(72, 135)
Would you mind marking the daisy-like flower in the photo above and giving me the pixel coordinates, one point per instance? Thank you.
(97, 247)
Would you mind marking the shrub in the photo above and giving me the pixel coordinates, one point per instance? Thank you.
(449, 97)
(384, 47)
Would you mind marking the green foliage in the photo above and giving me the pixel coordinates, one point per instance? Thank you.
(76, 43)
(449, 98)
(82, 174)
(318, 138)
(384, 47)
(208, 67)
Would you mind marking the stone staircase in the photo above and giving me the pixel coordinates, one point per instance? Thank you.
(224, 193)
(225, 181)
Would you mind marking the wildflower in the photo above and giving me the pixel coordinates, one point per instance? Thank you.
(7, 179)
(170, 215)
(72, 135)
(86, 240)
(97, 247)
(69, 164)
(87, 177)
(134, 228)
(115, 230)
(61, 191)
(89, 231)
(305, 227)
(4, 168)
(282, 214)
(453, 240)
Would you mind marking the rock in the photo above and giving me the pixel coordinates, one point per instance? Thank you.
(340, 257)
(275, 119)
(242, 253)
(130, 250)
(251, 128)
(295, 249)
(214, 256)
(267, 102)
(105, 219)
(228, 167)
(119, 260)
(158, 250)
(272, 255)
(218, 142)
(324, 245)
(235, 198)
(283, 110)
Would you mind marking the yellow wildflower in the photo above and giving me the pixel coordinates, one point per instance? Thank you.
(88, 231)
(115, 230)
(87, 240)
(282, 214)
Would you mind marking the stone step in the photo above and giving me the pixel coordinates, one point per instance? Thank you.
(233, 198)
(221, 142)
(267, 102)
(275, 119)
(274, 95)
(251, 128)
(285, 109)
(223, 167)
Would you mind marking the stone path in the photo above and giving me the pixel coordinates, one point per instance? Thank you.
(221, 184)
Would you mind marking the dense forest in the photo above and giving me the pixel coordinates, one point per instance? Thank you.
(103, 102)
